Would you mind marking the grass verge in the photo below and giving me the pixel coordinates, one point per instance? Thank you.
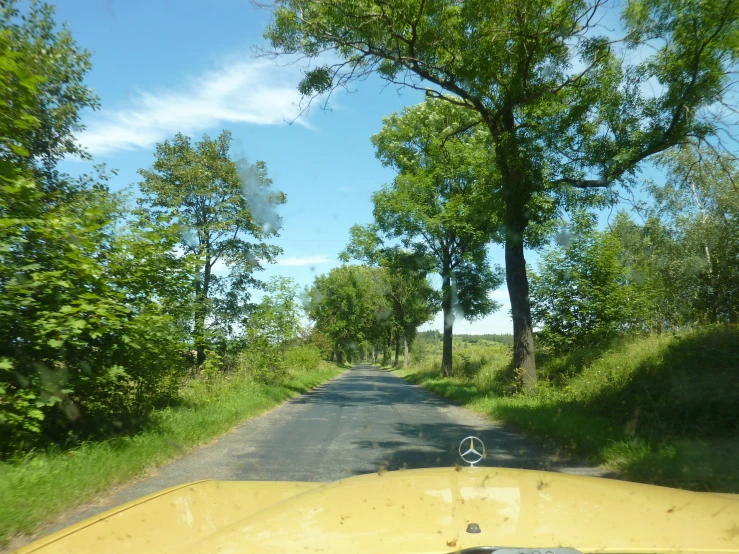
(42, 485)
(660, 409)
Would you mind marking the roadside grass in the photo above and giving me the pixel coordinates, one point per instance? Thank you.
(42, 485)
(657, 409)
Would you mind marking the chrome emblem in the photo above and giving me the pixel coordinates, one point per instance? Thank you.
(471, 450)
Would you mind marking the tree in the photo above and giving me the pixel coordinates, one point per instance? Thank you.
(90, 338)
(433, 206)
(60, 96)
(660, 270)
(90, 301)
(581, 293)
(413, 300)
(699, 207)
(348, 306)
(208, 195)
(277, 316)
(564, 106)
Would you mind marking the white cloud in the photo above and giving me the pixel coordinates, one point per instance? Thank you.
(219, 267)
(239, 90)
(305, 260)
(499, 294)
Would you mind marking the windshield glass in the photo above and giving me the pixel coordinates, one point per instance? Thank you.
(307, 241)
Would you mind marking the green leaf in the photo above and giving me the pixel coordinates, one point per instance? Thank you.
(18, 149)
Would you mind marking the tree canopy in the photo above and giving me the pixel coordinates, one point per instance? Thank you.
(200, 189)
(349, 307)
(413, 300)
(435, 205)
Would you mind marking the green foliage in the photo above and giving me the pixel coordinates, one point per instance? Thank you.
(407, 289)
(303, 358)
(262, 361)
(698, 207)
(272, 325)
(80, 303)
(439, 206)
(213, 201)
(56, 66)
(89, 349)
(676, 270)
(276, 318)
(320, 341)
(581, 293)
(472, 339)
(568, 110)
(349, 307)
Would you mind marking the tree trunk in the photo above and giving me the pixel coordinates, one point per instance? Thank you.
(512, 162)
(711, 280)
(397, 347)
(201, 299)
(447, 308)
(405, 351)
(518, 291)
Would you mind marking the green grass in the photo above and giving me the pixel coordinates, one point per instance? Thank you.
(43, 485)
(660, 409)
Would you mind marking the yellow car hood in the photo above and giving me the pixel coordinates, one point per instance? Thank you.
(412, 511)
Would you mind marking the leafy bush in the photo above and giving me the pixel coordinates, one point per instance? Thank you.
(582, 293)
(91, 350)
(303, 358)
(262, 361)
(91, 304)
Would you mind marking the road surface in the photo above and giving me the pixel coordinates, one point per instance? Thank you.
(364, 419)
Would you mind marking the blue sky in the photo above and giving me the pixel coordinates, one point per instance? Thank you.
(165, 66)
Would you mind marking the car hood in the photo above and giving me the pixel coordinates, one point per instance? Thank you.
(412, 511)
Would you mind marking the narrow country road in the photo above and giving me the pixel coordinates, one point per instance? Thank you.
(364, 419)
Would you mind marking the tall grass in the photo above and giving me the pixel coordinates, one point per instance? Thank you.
(43, 484)
(660, 409)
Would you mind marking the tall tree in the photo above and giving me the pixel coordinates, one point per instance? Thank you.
(276, 317)
(699, 206)
(435, 206)
(581, 293)
(89, 300)
(413, 300)
(565, 105)
(60, 96)
(208, 195)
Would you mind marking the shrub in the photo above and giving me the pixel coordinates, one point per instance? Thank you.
(262, 362)
(303, 358)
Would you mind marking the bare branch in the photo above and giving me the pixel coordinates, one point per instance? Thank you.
(583, 183)
(459, 131)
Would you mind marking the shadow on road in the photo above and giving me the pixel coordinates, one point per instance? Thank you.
(433, 442)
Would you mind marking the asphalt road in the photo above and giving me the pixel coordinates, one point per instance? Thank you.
(364, 419)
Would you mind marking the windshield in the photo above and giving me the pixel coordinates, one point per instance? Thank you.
(309, 240)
